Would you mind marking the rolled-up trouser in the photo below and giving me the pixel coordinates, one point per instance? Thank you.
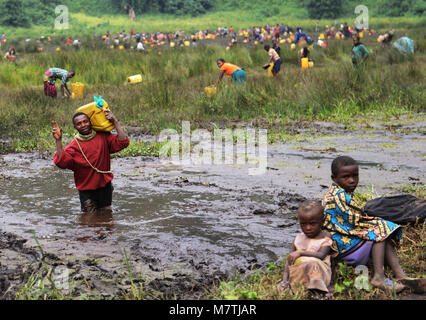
(99, 198)
(239, 75)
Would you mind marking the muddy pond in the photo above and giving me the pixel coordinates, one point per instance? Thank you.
(183, 226)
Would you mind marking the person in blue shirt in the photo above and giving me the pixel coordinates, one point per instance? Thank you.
(300, 35)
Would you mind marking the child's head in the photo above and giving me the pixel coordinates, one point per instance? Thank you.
(267, 47)
(311, 217)
(344, 172)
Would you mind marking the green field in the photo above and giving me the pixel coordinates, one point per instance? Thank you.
(84, 24)
(174, 79)
(173, 82)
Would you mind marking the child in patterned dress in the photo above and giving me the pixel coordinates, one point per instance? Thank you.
(356, 236)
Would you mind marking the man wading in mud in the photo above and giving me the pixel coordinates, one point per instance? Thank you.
(88, 155)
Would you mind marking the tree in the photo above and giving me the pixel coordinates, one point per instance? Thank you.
(398, 8)
(324, 9)
(13, 14)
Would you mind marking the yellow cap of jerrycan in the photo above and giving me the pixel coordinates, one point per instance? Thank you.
(96, 114)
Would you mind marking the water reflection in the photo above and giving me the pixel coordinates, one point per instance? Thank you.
(97, 218)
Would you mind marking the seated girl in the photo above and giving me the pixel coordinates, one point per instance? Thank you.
(357, 236)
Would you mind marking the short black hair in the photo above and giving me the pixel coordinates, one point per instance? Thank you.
(78, 114)
(73, 72)
(341, 161)
(220, 60)
(311, 205)
(266, 47)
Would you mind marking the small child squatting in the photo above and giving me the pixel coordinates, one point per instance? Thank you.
(308, 263)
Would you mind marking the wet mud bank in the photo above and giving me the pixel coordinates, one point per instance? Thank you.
(175, 229)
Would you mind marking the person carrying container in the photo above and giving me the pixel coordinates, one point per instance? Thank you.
(273, 57)
(88, 156)
(238, 74)
(49, 78)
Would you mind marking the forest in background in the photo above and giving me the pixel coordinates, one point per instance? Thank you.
(27, 13)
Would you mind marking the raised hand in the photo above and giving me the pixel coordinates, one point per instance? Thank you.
(56, 131)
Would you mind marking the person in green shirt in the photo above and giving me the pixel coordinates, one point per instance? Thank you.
(359, 52)
(51, 75)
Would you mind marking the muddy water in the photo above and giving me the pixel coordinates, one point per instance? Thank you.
(191, 224)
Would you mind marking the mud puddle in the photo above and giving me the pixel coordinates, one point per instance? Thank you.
(183, 227)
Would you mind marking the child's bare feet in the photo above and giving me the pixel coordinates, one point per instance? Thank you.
(416, 284)
(387, 285)
(283, 285)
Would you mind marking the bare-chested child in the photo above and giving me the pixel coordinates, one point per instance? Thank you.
(308, 263)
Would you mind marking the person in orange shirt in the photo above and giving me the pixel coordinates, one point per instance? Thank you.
(238, 74)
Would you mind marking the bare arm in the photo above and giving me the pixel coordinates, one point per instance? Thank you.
(57, 134)
(320, 254)
(222, 72)
(66, 87)
(110, 116)
(286, 274)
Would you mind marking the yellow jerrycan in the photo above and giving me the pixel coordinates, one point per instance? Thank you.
(305, 63)
(77, 90)
(96, 114)
(311, 64)
(270, 74)
(210, 91)
(134, 79)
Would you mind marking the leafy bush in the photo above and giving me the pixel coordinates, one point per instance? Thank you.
(12, 14)
(324, 9)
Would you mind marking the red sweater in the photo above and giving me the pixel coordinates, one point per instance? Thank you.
(98, 151)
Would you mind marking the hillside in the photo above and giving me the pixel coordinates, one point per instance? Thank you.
(26, 13)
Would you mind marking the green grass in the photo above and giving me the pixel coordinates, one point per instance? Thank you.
(172, 90)
(83, 24)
